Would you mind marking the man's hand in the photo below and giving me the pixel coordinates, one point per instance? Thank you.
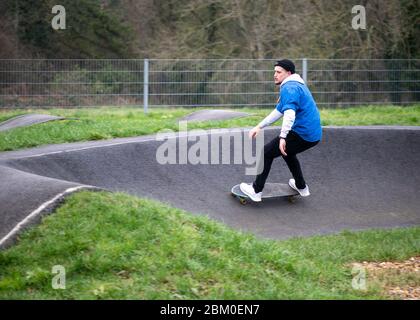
(254, 132)
(282, 146)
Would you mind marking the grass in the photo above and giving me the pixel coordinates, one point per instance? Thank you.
(372, 115)
(116, 246)
(108, 122)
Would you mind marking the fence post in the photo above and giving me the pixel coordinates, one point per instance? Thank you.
(146, 85)
(305, 69)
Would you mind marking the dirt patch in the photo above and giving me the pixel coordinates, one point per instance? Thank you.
(399, 280)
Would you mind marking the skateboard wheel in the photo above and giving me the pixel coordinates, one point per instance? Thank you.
(243, 201)
(291, 199)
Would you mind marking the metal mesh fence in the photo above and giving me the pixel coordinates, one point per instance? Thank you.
(201, 83)
(361, 82)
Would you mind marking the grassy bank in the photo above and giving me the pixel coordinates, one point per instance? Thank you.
(107, 123)
(115, 246)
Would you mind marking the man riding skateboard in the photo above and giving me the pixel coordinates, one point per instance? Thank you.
(300, 131)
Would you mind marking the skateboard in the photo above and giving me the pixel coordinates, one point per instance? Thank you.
(271, 190)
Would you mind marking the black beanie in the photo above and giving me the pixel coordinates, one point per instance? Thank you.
(286, 65)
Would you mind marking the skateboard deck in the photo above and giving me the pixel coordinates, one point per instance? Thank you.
(271, 190)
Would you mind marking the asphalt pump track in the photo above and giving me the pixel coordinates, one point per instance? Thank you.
(359, 178)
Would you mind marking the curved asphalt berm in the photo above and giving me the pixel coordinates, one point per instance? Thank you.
(27, 120)
(359, 177)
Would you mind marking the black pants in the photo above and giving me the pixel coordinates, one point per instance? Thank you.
(294, 145)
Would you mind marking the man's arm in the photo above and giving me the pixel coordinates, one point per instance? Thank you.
(288, 120)
(271, 118)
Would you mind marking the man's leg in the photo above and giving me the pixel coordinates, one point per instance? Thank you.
(271, 151)
(294, 145)
(294, 167)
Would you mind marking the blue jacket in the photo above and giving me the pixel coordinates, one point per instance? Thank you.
(294, 94)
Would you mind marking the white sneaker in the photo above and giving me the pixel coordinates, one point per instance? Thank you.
(248, 189)
(303, 192)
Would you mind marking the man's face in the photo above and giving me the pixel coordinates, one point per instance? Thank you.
(280, 74)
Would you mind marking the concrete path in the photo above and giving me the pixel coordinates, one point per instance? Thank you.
(27, 120)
